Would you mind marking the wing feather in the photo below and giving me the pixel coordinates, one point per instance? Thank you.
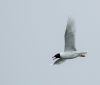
(70, 36)
(59, 61)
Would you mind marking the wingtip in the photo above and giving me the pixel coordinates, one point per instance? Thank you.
(70, 20)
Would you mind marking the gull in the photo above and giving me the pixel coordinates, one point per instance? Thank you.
(70, 51)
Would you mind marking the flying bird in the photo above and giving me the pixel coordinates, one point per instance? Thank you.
(70, 51)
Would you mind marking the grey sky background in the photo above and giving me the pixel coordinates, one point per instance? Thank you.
(32, 31)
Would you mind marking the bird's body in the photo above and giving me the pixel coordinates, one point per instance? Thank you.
(70, 51)
(71, 54)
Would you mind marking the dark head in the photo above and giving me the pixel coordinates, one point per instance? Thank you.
(56, 56)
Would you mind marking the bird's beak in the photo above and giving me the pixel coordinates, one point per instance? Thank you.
(54, 58)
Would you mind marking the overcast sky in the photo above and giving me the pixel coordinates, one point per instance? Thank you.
(32, 31)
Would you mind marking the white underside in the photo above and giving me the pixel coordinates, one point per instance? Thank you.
(71, 54)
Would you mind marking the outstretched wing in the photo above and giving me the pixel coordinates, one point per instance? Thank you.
(59, 61)
(70, 36)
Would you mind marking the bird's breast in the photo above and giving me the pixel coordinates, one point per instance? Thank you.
(68, 55)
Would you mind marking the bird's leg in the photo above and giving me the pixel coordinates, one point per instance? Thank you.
(82, 55)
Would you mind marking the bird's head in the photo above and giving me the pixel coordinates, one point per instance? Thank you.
(56, 56)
